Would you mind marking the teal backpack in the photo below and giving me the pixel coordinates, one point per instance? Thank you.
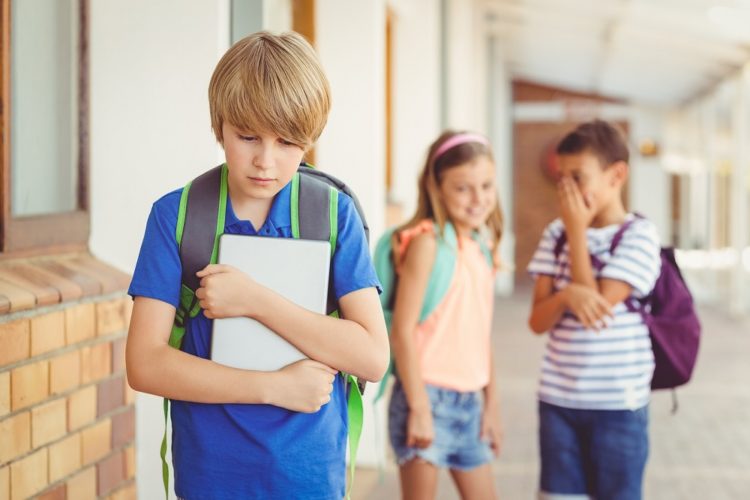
(200, 222)
(438, 284)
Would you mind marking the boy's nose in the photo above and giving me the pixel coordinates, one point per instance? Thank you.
(264, 157)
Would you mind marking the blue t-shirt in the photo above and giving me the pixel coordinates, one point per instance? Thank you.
(245, 450)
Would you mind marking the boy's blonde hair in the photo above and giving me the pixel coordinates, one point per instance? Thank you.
(270, 83)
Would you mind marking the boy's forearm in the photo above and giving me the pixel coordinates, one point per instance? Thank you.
(337, 342)
(546, 312)
(171, 373)
(581, 271)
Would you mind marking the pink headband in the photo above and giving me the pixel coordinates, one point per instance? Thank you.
(457, 140)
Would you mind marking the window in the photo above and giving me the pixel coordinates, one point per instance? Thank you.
(44, 126)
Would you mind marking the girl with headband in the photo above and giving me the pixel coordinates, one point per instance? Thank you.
(444, 410)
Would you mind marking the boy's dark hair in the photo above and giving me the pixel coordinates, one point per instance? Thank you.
(598, 137)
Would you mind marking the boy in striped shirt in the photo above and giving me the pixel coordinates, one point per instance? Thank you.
(597, 369)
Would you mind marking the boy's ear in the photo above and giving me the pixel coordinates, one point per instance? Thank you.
(621, 171)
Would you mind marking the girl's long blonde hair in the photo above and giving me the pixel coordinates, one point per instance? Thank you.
(429, 204)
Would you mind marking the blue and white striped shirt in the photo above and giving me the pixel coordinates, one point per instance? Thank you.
(610, 369)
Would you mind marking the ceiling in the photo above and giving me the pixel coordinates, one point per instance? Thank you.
(657, 52)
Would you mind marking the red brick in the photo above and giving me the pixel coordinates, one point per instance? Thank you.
(65, 372)
(15, 342)
(83, 486)
(110, 317)
(47, 333)
(4, 483)
(48, 422)
(110, 472)
(96, 362)
(130, 462)
(81, 407)
(28, 476)
(96, 441)
(15, 436)
(29, 384)
(118, 355)
(4, 393)
(80, 323)
(110, 395)
(123, 428)
(126, 492)
(64, 457)
(57, 493)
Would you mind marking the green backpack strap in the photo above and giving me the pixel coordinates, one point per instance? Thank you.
(439, 282)
(200, 222)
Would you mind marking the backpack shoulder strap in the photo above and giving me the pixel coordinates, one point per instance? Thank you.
(308, 170)
(201, 222)
(617, 238)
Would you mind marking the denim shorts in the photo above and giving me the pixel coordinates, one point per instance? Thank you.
(592, 453)
(457, 419)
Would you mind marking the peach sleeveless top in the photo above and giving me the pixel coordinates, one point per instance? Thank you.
(453, 342)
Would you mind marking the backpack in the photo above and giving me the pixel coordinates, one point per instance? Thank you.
(200, 222)
(672, 320)
(438, 284)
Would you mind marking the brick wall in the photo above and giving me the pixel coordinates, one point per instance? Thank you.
(67, 416)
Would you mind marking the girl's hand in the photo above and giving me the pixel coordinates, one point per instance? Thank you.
(589, 306)
(303, 386)
(419, 429)
(577, 212)
(226, 292)
(492, 427)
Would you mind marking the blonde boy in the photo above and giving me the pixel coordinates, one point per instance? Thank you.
(246, 434)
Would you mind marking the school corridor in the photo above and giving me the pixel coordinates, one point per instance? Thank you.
(700, 453)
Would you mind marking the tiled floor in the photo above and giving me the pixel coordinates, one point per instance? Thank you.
(701, 453)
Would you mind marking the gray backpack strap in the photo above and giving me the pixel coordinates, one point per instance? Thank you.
(316, 219)
(204, 211)
(340, 186)
(314, 209)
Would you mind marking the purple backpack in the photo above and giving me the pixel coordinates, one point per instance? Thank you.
(672, 321)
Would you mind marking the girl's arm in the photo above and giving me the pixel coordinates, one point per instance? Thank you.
(492, 428)
(157, 368)
(356, 343)
(412, 285)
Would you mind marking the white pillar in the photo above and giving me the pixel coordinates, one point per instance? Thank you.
(739, 196)
(350, 38)
(501, 135)
(150, 133)
(466, 66)
(416, 93)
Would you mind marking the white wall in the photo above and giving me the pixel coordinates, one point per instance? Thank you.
(649, 191)
(150, 133)
(501, 134)
(350, 38)
(466, 72)
(416, 93)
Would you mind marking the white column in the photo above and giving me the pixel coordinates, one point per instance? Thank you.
(150, 133)
(739, 200)
(466, 71)
(350, 38)
(416, 93)
(501, 135)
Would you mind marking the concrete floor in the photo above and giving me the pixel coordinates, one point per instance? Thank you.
(701, 453)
